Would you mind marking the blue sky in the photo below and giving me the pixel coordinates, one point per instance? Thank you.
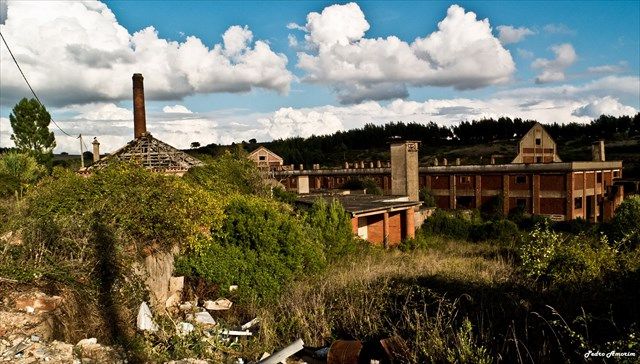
(284, 71)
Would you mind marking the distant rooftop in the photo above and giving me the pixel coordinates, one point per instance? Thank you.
(361, 203)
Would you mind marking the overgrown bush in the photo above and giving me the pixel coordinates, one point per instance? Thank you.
(362, 184)
(18, 171)
(626, 223)
(331, 226)
(261, 246)
(427, 198)
(454, 224)
(228, 174)
(550, 255)
(504, 231)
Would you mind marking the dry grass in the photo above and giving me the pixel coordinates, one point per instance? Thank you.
(367, 296)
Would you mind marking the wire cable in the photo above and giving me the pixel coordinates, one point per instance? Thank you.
(28, 84)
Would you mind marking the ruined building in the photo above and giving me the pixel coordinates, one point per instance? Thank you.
(144, 149)
(535, 182)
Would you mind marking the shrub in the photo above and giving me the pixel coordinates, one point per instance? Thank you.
(260, 246)
(427, 198)
(362, 184)
(454, 225)
(228, 174)
(18, 171)
(626, 223)
(331, 226)
(499, 230)
(283, 195)
(551, 255)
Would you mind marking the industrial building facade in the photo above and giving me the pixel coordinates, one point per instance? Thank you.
(536, 182)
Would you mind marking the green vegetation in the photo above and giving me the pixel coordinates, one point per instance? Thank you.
(18, 171)
(625, 226)
(30, 123)
(471, 287)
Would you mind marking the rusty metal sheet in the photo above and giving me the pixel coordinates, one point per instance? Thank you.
(344, 352)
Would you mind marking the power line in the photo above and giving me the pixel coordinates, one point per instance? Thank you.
(28, 84)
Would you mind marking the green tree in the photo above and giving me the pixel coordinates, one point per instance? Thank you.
(30, 123)
(626, 222)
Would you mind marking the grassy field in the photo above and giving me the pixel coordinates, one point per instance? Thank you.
(454, 302)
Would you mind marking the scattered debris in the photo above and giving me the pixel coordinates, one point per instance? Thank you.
(186, 306)
(204, 317)
(233, 287)
(37, 301)
(283, 354)
(250, 323)
(236, 333)
(86, 342)
(218, 305)
(145, 319)
(344, 352)
(185, 327)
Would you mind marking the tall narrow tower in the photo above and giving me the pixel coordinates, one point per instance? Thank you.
(404, 169)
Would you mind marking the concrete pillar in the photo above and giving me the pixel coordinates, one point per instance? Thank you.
(354, 225)
(404, 169)
(435, 162)
(378, 164)
(594, 201)
(535, 194)
(370, 164)
(569, 193)
(346, 165)
(597, 151)
(96, 150)
(493, 160)
(385, 229)
(457, 161)
(410, 224)
(585, 214)
(452, 191)
(505, 194)
(444, 161)
(301, 167)
(303, 184)
(478, 191)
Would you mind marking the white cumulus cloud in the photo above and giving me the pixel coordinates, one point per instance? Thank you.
(76, 52)
(462, 53)
(176, 109)
(552, 70)
(509, 34)
(604, 106)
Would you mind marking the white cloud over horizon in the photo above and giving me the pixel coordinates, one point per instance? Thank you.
(77, 52)
(176, 109)
(463, 53)
(509, 34)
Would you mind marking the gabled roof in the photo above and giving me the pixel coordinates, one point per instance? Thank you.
(261, 148)
(150, 153)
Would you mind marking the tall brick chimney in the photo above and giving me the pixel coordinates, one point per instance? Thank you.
(597, 151)
(139, 118)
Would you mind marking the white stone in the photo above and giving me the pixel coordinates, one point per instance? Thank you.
(185, 327)
(145, 319)
(218, 305)
(90, 341)
(205, 318)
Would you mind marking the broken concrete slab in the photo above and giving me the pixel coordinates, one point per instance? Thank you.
(204, 318)
(250, 324)
(185, 327)
(236, 333)
(283, 354)
(86, 342)
(145, 319)
(218, 305)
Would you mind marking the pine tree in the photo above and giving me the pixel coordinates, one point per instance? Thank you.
(30, 123)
